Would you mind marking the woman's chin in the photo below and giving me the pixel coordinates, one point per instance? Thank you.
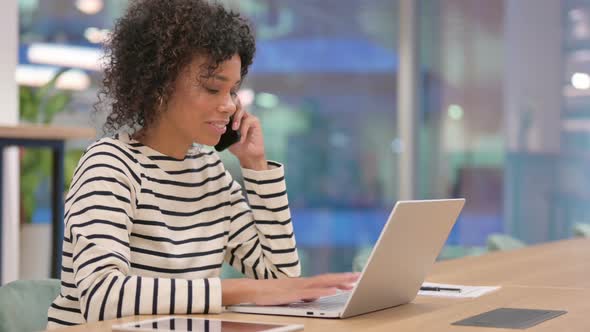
(210, 141)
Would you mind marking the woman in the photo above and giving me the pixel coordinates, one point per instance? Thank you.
(149, 217)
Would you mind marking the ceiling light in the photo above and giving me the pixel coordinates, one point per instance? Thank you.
(73, 79)
(581, 81)
(455, 112)
(89, 7)
(96, 35)
(65, 56)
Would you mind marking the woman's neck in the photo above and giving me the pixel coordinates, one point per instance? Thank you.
(164, 140)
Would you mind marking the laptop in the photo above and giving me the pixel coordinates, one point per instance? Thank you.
(402, 257)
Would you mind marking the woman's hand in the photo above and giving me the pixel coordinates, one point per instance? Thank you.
(286, 290)
(250, 149)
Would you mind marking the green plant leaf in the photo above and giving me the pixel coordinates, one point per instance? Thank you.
(55, 104)
(28, 104)
(41, 105)
(29, 182)
(48, 87)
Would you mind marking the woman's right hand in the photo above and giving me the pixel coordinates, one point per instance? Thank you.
(286, 290)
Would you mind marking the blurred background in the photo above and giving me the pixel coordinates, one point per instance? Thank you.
(503, 113)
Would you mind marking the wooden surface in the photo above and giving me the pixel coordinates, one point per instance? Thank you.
(563, 264)
(40, 132)
(550, 276)
(429, 314)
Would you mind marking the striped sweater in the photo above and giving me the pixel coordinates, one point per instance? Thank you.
(146, 233)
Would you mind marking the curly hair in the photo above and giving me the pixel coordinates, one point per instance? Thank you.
(153, 42)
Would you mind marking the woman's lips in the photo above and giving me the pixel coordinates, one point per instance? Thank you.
(218, 127)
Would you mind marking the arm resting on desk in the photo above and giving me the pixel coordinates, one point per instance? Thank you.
(98, 274)
(106, 290)
(98, 227)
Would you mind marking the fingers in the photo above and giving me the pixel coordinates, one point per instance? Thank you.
(238, 118)
(339, 280)
(296, 296)
(239, 114)
(243, 120)
(312, 294)
(310, 300)
(248, 124)
(346, 287)
(284, 291)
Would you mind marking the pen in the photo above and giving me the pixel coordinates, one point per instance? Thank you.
(440, 289)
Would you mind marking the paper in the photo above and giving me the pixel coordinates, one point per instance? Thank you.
(466, 291)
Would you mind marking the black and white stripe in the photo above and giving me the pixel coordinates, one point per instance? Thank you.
(146, 233)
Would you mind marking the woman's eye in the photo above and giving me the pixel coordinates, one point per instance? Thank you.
(234, 93)
(212, 91)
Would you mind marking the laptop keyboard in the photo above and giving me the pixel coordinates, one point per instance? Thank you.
(327, 303)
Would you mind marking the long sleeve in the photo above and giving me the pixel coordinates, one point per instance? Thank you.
(261, 240)
(99, 221)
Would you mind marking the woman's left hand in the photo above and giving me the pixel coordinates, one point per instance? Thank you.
(250, 149)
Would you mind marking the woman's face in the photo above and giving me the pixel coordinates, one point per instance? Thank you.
(199, 108)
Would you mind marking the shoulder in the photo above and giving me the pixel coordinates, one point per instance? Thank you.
(109, 155)
(109, 146)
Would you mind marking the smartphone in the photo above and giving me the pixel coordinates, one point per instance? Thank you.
(229, 137)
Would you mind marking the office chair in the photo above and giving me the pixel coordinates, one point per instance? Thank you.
(24, 304)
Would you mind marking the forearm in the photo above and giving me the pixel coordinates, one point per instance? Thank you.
(268, 200)
(115, 295)
(235, 291)
(268, 227)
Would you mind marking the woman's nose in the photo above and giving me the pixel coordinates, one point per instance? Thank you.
(228, 105)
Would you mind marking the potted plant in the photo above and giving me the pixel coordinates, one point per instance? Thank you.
(39, 105)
